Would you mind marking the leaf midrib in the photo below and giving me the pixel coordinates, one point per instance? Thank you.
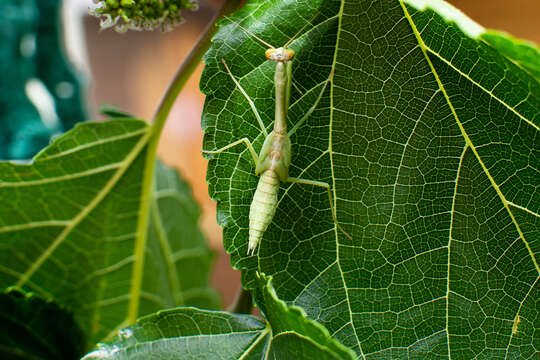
(47, 180)
(330, 151)
(490, 93)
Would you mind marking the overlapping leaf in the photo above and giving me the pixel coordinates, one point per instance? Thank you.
(178, 261)
(188, 333)
(70, 229)
(430, 139)
(32, 328)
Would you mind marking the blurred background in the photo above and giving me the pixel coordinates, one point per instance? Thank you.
(132, 72)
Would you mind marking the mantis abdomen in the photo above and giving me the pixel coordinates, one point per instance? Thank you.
(263, 207)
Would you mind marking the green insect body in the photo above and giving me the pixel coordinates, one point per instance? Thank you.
(275, 155)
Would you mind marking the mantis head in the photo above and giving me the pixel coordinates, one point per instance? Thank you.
(279, 54)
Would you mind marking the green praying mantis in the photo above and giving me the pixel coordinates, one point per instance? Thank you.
(272, 163)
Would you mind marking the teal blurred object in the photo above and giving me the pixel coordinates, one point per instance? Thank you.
(40, 93)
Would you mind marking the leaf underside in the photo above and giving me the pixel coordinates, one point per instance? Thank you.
(68, 229)
(430, 140)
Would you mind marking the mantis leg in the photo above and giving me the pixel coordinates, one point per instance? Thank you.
(310, 111)
(330, 198)
(251, 103)
(242, 140)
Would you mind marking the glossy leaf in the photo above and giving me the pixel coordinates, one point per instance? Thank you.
(69, 229)
(188, 333)
(32, 328)
(524, 53)
(429, 137)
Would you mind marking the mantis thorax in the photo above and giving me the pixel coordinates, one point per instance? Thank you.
(275, 155)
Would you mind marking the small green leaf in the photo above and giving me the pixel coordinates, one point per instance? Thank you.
(188, 333)
(32, 328)
(113, 112)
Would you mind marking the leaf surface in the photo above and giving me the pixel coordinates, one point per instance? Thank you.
(189, 333)
(70, 229)
(430, 140)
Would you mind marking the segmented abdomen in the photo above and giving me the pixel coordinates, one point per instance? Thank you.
(263, 207)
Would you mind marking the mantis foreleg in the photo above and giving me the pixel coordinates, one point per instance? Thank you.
(250, 102)
(242, 140)
(310, 111)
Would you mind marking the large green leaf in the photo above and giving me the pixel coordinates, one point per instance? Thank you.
(430, 139)
(188, 333)
(32, 328)
(71, 229)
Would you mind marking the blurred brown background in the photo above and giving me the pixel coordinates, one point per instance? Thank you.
(132, 71)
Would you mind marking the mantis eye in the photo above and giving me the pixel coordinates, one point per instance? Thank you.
(141, 14)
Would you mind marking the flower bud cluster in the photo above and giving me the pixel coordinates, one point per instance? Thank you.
(126, 15)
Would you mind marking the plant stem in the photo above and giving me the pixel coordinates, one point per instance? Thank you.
(187, 67)
(243, 304)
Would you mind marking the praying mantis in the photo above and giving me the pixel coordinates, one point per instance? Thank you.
(272, 163)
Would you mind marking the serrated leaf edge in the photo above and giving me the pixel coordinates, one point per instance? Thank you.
(297, 311)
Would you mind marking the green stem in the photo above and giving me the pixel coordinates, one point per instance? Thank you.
(189, 64)
(187, 67)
